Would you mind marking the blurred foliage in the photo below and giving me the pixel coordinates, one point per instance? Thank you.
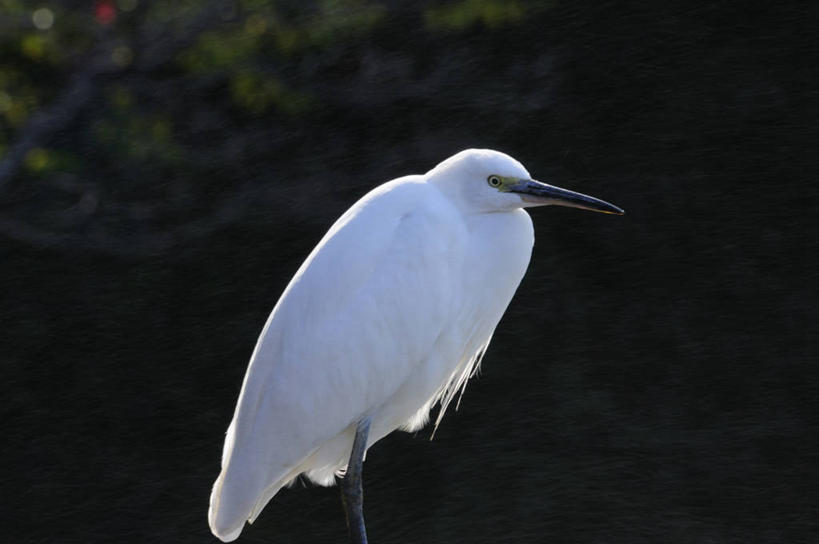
(233, 39)
(257, 93)
(45, 161)
(116, 76)
(42, 45)
(460, 15)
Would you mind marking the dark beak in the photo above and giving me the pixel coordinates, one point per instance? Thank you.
(541, 194)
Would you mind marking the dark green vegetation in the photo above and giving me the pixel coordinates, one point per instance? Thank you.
(654, 379)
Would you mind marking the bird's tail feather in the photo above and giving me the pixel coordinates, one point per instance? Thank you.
(225, 528)
(234, 501)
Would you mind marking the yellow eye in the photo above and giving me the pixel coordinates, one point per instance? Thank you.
(494, 181)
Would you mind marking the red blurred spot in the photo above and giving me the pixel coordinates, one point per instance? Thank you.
(105, 13)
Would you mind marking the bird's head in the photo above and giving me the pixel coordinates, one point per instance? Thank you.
(484, 180)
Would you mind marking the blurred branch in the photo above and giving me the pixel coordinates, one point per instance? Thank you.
(79, 92)
(71, 227)
(14, 23)
(158, 48)
(135, 244)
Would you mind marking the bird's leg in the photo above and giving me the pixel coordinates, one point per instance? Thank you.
(352, 488)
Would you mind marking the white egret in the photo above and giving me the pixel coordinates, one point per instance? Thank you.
(390, 313)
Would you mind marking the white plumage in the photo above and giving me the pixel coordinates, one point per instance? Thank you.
(389, 314)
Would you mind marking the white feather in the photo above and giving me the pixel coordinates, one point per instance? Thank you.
(390, 313)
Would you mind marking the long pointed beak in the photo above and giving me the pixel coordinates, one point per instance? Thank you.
(542, 194)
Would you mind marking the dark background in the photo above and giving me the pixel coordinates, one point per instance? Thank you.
(165, 169)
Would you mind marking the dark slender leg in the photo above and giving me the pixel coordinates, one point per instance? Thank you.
(352, 486)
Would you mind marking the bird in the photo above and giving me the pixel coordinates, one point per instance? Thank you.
(389, 315)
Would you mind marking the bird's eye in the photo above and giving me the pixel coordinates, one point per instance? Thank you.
(494, 181)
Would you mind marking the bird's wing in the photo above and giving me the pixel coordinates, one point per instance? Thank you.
(360, 314)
